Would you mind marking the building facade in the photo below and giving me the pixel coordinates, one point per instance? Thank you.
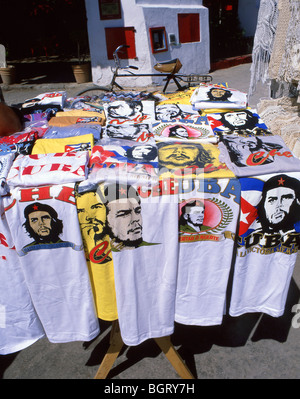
(155, 30)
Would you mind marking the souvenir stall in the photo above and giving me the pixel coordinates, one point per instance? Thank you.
(276, 63)
(134, 208)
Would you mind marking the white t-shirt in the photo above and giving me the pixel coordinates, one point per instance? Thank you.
(55, 272)
(267, 253)
(208, 212)
(20, 326)
(146, 272)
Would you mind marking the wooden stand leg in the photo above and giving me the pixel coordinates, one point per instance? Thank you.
(174, 358)
(116, 344)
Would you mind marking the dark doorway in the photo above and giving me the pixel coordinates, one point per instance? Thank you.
(43, 28)
(226, 35)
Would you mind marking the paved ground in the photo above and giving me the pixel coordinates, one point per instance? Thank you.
(252, 346)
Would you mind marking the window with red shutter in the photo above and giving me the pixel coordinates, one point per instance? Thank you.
(117, 36)
(189, 28)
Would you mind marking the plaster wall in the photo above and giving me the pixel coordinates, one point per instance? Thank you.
(143, 15)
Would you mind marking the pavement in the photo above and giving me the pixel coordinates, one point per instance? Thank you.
(252, 346)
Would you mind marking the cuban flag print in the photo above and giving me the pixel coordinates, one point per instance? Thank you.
(268, 242)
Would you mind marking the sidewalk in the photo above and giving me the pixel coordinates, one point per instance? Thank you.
(237, 77)
(252, 346)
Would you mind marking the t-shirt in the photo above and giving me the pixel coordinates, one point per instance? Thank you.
(166, 112)
(208, 214)
(140, 132)
(129, 112)
(58, 145)
(20, 326)
(253, 156)
(216, 96)
(128, 160)
(268, 242)
(188, 159)
(6, 162)
(92, 219)
(39, 169)
(245, 122)
(43, 222)
(195, 129)
(145, 259)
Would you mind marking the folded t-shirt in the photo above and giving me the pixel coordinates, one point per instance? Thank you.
(257, 155)
(216, 96)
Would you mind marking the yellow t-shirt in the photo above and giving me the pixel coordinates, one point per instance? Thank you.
(92, 216)
(191, 160)
(52, 146)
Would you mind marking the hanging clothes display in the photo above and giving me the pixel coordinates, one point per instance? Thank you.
(46, 233)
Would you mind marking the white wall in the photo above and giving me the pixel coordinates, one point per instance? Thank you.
(142, 15)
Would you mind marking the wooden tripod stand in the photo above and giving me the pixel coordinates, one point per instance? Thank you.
(116, 344)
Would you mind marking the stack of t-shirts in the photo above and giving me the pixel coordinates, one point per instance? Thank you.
(78, 129)
(46, 235)
(257, 155)
(129, 161)
(194, 129)
(69, 144)
(208, 96)
(268, 243)
(45, 102)
(145, 258)
(40, 169)
(140, 132)
(97, 248)
(244, 122)
(208, 214)
(20, 326)
(171, 112)
(19, 143)
(129, 112)
(70, 118)
(178, 159)
(179, 97)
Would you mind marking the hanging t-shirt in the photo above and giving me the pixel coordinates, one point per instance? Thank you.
(20, 326)
(216, 96)
(245, 122)
(252, 156)
(40, 169)
(44, 224)
(145, 258)
(268, 242)
(92, 220)
(208, 214)
(58, 145)
(129, 112)
(195, 129)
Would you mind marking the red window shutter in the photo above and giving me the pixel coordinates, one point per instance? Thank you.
(117, 36)
(189, 28)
